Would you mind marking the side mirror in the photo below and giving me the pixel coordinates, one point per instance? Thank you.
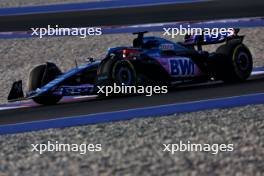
(90, 59)
(112, 55)
(200, 41)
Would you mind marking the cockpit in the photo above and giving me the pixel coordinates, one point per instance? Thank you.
(151, 42)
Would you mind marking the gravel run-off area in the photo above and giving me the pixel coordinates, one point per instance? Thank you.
(135, 147)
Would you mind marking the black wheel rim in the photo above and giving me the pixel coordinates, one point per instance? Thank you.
(242, 61)
(124, 76)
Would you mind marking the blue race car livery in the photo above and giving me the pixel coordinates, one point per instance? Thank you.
(149, 61)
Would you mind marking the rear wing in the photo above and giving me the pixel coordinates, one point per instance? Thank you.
(199, 40)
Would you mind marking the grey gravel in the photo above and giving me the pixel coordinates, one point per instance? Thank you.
(134, 147)
(19, 56)
(16, 3)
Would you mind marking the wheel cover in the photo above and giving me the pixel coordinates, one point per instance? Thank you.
(242, 61)
(124, 75)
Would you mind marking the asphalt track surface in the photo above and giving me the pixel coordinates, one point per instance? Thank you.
(205, 10)
(177, 95)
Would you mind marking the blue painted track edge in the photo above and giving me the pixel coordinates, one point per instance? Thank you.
(154, 111)
(235, 23)
(69, 7)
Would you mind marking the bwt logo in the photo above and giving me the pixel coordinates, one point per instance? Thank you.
(181, 67)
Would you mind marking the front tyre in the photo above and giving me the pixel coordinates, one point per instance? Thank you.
(238, 63)
(123, 73)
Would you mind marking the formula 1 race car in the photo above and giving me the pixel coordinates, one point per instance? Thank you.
(149, 61)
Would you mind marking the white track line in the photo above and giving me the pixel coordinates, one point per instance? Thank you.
(12, 107)
(257, 73)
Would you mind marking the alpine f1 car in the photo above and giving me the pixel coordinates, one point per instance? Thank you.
(149, 61)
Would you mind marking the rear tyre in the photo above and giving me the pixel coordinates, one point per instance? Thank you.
(40, 76)
(236, 64)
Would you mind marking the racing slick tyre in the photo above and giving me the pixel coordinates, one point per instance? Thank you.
(237, 64)
(123, 73)
(40, 76)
